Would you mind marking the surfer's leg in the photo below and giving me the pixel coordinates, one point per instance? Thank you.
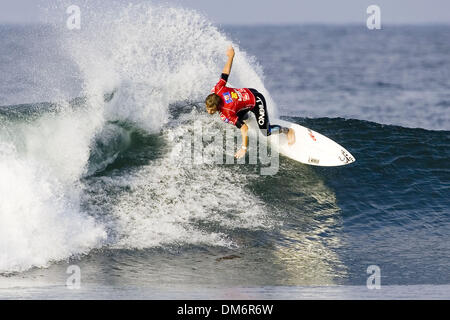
(287, 131)
(278, 129)
(262, 116)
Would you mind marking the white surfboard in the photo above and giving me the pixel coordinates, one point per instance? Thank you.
(310, 147)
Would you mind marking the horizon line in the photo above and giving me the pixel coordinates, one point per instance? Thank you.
(282, 24)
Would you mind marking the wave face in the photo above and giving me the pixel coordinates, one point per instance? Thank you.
(150, 57)
(137, 193)
(41, 162)
(395, 202)
(106, 171)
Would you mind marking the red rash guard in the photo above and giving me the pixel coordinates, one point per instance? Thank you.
(233, 101)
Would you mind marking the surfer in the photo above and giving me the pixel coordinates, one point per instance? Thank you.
(234, 104)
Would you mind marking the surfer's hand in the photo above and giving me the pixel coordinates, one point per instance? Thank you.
(240, 153)
(230, 52)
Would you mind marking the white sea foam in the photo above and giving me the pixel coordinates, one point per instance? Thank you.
(172, 201)
(39, 216)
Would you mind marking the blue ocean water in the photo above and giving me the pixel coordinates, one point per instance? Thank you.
(398, 75)
(88, 132)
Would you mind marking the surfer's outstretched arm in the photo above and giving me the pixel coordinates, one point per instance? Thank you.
(244, 132)
(230, 54)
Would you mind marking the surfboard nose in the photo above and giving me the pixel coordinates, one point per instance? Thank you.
(346, 157)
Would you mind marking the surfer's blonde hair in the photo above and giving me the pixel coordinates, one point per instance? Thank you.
(212, 102)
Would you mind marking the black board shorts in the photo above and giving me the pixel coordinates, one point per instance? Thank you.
(261, 114)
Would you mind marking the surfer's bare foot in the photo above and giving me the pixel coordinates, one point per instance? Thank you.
(291, 136)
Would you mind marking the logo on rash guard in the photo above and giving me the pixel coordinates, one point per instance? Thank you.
(224, 118)
(227, 97)
(243, 96)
